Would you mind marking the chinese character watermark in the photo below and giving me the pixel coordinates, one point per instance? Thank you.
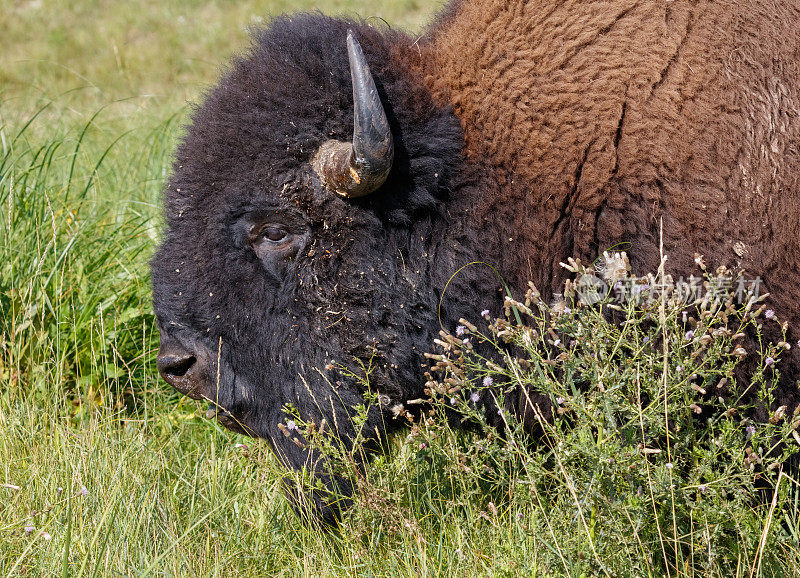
(591, 289)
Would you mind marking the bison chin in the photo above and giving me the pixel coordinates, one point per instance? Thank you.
(326, 454)
(318, 498)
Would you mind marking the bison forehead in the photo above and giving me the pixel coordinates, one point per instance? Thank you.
(260, 126)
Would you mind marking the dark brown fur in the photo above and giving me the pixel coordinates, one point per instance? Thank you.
(596, 120)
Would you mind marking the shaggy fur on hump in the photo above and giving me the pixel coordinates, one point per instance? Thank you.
(525, 133)
(598, 120)
(609, 115)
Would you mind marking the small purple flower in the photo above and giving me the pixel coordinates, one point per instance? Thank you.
(29, 529)
(646, 339)
(290, 425)
(751, 429)
(84, 491)
(461, 330)
(702, 489)
(466, 341)
(669, 465)
(485, 313)
(488, 381)
(678, 369)
(474, 397)
(453, 401)
(769, 314)
(500, 412)
(689, 335)
(769, 361)
(560, 400)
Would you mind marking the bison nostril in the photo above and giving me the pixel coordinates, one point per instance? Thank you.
(184, 368)
(174, 365)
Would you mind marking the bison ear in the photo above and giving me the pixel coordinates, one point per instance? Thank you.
(358, 168)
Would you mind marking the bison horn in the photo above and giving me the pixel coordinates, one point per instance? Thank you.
(358, 168)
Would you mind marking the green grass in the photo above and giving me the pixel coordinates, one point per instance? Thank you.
(153, 55)
(92, 97)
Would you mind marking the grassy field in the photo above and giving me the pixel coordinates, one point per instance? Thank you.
(105, 471)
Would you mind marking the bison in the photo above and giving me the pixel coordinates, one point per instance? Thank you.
(339, 175)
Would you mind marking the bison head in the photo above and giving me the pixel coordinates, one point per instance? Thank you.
(296, 245)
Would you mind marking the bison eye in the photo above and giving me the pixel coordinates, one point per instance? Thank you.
(276, 244)
(274, 234)
(269, 237)
(275, 237)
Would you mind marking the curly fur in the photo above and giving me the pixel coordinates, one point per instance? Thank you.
(525, 132)
(600, 120)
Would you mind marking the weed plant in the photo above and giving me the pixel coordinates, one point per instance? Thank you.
(647, 460)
